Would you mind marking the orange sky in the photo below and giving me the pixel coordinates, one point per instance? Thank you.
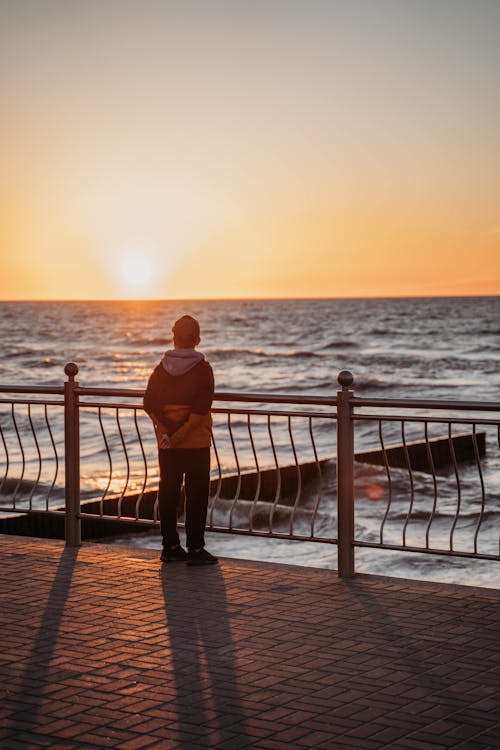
(264, 149)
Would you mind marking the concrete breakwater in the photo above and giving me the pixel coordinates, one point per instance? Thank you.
(287, 486)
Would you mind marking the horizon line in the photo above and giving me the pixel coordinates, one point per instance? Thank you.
(251, 299)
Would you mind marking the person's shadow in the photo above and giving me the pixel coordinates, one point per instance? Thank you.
(207, 696)
(43, 635)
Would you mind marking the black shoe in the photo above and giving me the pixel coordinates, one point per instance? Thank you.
(174, 554)
(200, 557)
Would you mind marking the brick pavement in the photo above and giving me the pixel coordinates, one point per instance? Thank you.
(104, 648)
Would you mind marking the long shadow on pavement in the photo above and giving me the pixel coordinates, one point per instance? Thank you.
(440, 678)
(203, 656)
(27, 693)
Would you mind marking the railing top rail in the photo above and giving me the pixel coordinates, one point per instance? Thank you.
(96, 391)
(274, 398)
(271, 398)
(413, 403)
(264, 398)
(58, 390)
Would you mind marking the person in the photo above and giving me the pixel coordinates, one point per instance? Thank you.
(178, 399)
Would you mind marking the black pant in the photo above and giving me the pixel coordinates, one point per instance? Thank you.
(194, 464)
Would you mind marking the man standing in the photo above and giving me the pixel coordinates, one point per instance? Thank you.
(178, 400)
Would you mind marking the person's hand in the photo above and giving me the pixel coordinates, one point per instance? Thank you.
(165, 441)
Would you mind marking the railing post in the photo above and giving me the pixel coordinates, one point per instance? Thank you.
(345, 477)
(72, 522)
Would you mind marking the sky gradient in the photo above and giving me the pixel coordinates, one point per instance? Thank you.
(276, 148)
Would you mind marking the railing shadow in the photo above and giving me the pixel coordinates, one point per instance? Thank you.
(207, 695)
(30, 688)
(417, 655)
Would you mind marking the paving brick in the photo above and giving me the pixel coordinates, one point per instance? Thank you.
(105, 648)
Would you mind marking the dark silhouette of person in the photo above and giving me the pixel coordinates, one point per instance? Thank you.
(178, 399)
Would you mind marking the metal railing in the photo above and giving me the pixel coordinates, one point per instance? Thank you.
(396, 474)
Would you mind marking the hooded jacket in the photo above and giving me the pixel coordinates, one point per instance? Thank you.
(179, 396)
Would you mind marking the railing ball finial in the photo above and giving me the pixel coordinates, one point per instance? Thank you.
(345, 378)
(71, 370)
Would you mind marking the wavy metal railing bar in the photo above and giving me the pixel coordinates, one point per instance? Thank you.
(319, 477)
(124, 447)
(238, 483)
(459, 488)
(483, 495)
(216, 496)
(56, 458)
(427, 548)
(239, 477)
(299, 478)
(7, 458)
(110, 462)
(35, 484)
(257, 469)
(278, 475)
(144, 460)
(389, 481)
(410, 477)
(23, 458)
(434, 484)
(40, 459)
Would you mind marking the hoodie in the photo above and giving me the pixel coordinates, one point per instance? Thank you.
(180, 361)
(179, 396)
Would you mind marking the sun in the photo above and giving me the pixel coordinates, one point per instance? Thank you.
(136, 271)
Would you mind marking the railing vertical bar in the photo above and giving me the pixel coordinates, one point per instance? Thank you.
(457, 478)
(219, 481)
(410, 476)
(299, 478)
(7, 459)
(238, 484)
(141, 494)
(320, 479)
(259, 477)
(110, 461)
(21, 477)
(56, 458)
(481, 480)
(278, 475)
(389, 481)
(37, 480)
(156, 511)
(430, 461)
(125, 452)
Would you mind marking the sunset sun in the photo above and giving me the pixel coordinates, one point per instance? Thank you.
(136, 271)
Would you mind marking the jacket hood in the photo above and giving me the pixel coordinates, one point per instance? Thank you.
(179, 361)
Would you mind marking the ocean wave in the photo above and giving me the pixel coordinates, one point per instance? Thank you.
(378, 331)
(261, 353)
(369, 384)
(296, 353)
(340, 344)
(163, 341)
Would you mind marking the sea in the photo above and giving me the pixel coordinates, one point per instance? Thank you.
(418, 348)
